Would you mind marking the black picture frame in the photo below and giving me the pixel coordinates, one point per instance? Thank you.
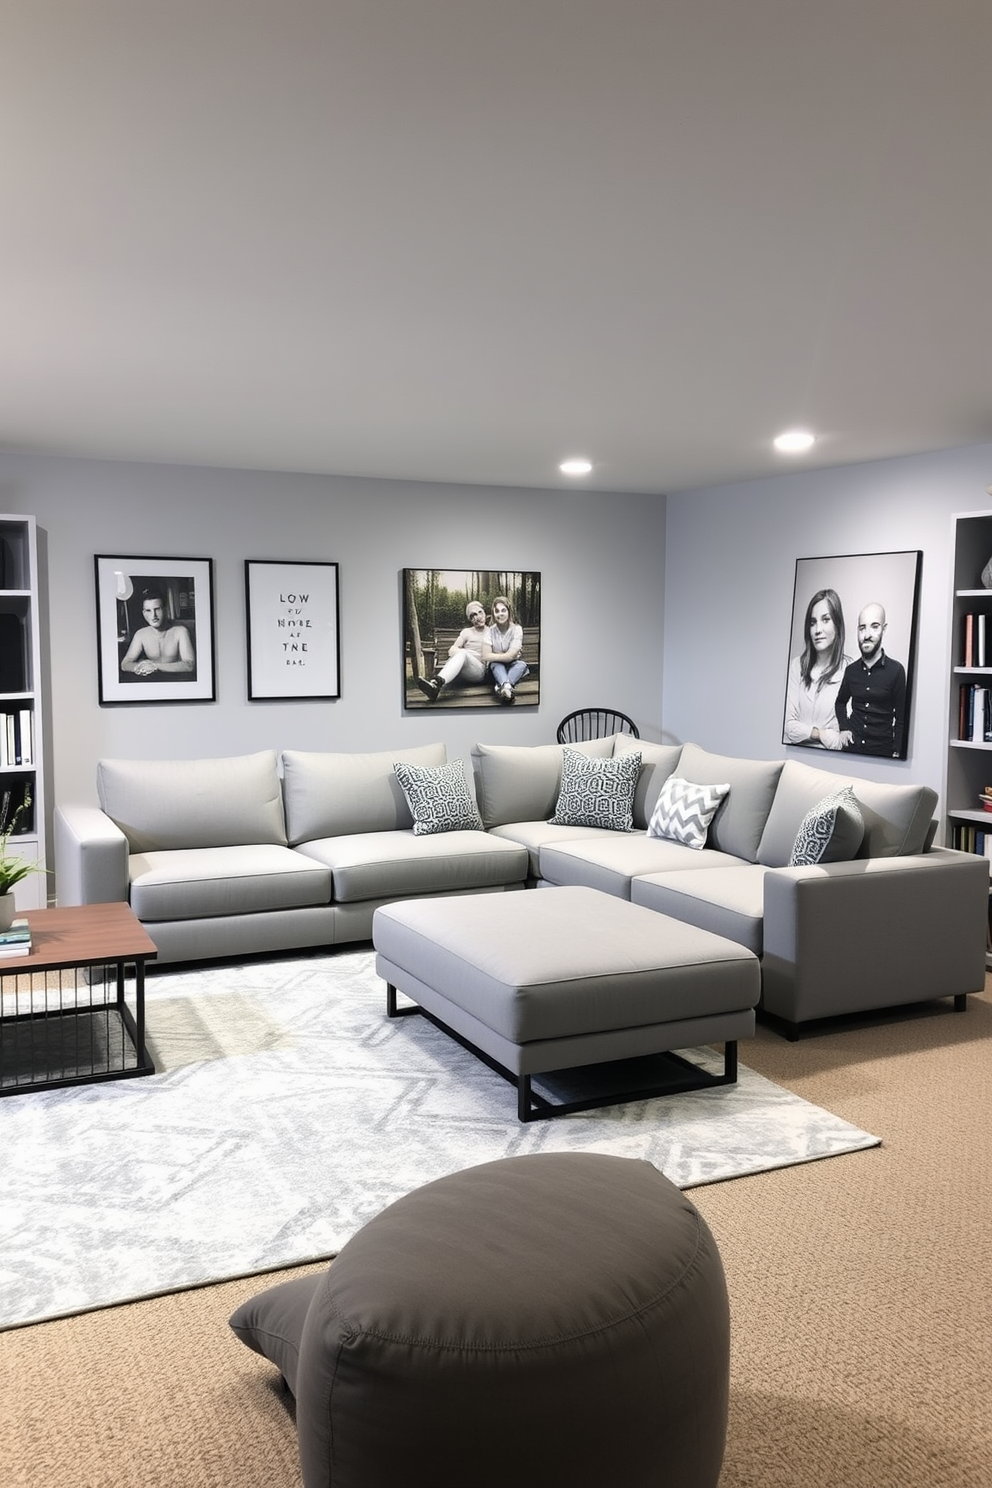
(847, 609)
(292, 624)
(138, 598)
(434, 614)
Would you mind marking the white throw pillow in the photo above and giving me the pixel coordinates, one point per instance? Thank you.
(685, 810)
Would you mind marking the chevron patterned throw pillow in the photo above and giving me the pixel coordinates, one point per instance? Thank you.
(684, 811)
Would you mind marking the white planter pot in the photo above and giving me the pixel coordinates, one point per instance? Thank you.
(7, 911)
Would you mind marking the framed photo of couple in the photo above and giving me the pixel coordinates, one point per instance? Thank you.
(852, 652)
(471, 638)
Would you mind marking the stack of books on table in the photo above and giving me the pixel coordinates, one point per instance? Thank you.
(17, 940)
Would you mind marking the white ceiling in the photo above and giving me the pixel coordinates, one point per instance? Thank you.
(458, 240)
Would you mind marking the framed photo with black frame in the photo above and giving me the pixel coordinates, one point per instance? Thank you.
(471, 638)
(293, 633)
(852, 653)
(155, 629)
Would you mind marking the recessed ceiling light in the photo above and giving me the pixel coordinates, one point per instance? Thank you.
(795, 442)
(576, 466)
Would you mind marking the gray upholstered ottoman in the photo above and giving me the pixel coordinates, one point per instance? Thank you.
(559, 1319)
(568, 977)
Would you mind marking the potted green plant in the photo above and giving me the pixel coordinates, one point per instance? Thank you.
(12, 867)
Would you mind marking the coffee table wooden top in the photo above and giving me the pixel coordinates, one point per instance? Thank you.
(81, 935)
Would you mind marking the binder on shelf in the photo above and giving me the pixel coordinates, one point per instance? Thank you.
(12, 668)
(26, 723)
(980, 640)
(968, 646)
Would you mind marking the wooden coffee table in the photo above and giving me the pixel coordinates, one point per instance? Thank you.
(70, 1013)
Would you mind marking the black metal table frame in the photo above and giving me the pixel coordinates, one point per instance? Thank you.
(133, 1023)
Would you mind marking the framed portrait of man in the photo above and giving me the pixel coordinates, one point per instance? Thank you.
(155, 632)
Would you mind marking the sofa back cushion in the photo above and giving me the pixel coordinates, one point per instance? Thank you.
(658, 761)
(165, 804)
(520, 782)
(740, 821)
(896, 817)
(334, 795)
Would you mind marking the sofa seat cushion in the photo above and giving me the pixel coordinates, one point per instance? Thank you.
(197, 883)
(535, 835)
(726, 901)
(378, 865)
(610, 863)
(896, 817)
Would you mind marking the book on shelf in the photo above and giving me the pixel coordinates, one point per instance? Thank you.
(974, 648)
(975, 714)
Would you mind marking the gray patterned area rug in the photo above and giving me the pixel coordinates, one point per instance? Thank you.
(285, 1112)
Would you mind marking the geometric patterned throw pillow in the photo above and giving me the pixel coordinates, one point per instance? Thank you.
(831, 833)
(597, 792)
(438, 797)
(685, 810)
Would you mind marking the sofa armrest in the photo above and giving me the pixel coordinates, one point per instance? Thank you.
(873, 933)
(91, 857)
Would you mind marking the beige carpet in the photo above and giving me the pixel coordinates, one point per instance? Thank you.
(861, 1291)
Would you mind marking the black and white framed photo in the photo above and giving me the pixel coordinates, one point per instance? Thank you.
(292, 627)
(471, 638)
(851, 654)
(155, 631)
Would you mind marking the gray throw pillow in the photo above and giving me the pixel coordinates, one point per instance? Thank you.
(597, 792)
(271, 1323)
(685, 810)
(831, 832)
(439, 798)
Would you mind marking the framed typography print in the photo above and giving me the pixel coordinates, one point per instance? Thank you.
(851, 653)
(292, 625)
(471, 638)
(155, 630)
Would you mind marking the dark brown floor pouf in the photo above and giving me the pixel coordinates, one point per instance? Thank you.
(560, 1318)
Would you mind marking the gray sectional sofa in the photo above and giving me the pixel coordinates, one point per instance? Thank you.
(229, 857)
(900, 922)
(235, 856)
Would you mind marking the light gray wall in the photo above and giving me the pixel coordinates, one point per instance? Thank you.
(731, 556)
(600, 558)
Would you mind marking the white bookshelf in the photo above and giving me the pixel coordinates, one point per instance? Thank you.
(22, 736)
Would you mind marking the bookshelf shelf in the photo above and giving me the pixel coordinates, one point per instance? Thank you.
(22, 775)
